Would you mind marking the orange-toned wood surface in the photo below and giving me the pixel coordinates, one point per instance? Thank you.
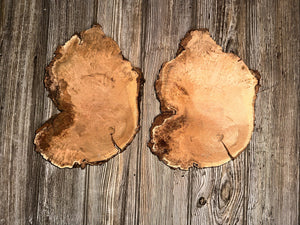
(97, 92)
(207, 100)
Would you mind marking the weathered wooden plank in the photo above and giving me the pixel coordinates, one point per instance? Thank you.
(273, 160)
(21, 64)
(217, 193)
(257, 45)
(60, 197)
(163, 192)
(111, 197)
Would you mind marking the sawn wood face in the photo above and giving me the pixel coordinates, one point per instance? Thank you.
(207, 105)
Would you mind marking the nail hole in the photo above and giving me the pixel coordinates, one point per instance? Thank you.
(201, 202)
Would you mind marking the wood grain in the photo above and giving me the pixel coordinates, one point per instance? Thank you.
(222, 187)
(60, 193)
(273, 159)
(261, 186)
(111, 196)
(163, 192)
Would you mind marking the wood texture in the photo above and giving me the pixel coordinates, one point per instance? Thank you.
(261, 186)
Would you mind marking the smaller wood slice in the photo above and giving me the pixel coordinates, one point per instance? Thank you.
(97, 92)
(207, 105)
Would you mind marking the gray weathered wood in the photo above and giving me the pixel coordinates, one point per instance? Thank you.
(60, 193)
(111, 197)
(273, 160)
(163, 193)
(221, 187)
(261, 186)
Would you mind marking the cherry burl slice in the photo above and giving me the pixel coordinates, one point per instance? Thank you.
(97, 92)
(207, 105)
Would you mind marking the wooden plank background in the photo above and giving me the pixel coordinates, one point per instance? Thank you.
(260, 187)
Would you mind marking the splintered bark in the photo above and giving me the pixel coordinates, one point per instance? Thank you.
(207, 105)
(97, 92)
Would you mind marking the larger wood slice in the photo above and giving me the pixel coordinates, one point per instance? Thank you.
(207, 105)
(97, 92)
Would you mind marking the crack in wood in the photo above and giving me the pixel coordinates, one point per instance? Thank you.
(115, 144)
(229, 154)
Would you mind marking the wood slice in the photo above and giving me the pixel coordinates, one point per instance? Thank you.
(97, 92)
(207, 105)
